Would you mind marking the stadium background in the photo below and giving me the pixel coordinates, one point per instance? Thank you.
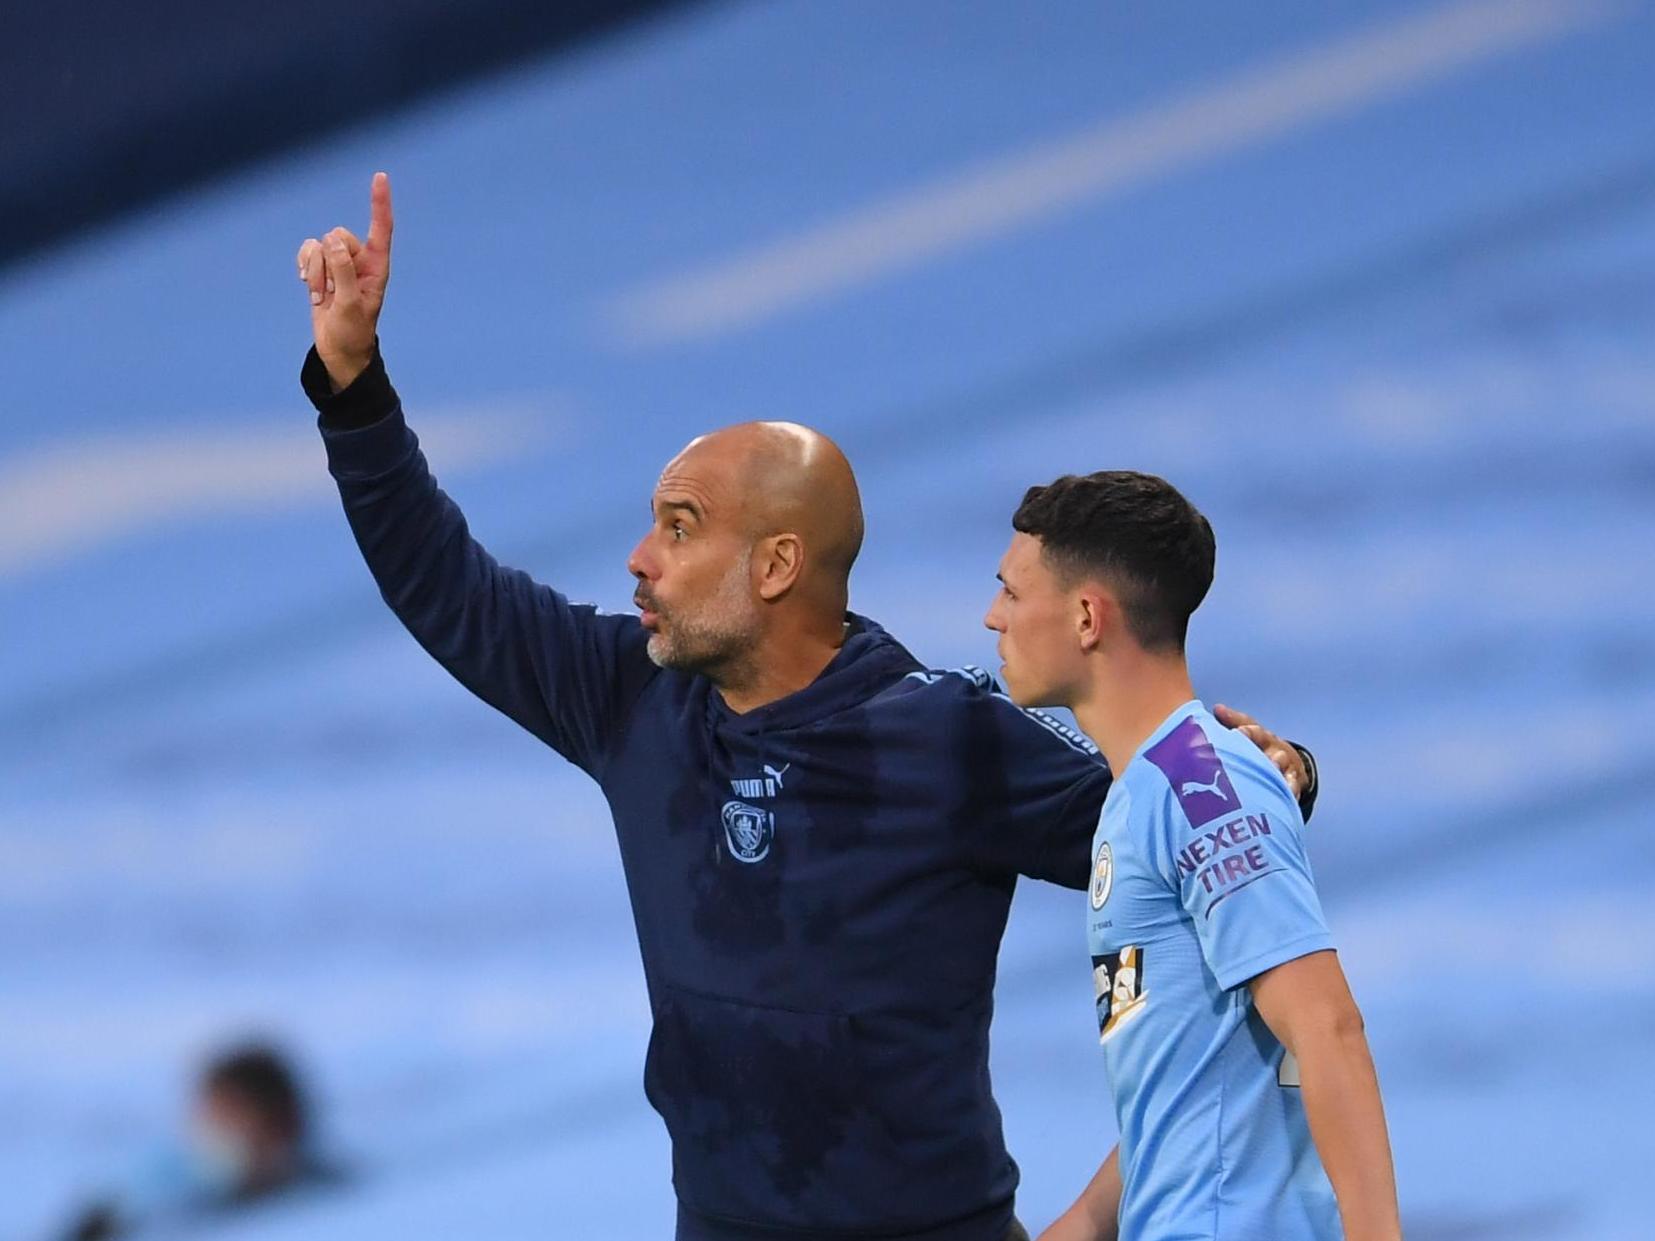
(1374, 283)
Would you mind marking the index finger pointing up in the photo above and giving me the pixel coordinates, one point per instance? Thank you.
(379, 216)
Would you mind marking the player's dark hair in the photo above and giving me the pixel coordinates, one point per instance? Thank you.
(263, 1078)
(1137, 534)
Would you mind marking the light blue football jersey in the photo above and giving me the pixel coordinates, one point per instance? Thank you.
(1200, 883)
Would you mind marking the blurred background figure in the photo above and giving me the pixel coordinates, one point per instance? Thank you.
(1372, 283)
(249, 1139)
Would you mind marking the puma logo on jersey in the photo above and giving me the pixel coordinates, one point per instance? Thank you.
(1195, 786)
(1195, 773)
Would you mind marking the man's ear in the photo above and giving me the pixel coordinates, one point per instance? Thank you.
(780, 559)
(1095, 615)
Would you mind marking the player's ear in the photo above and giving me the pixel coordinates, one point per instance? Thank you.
(1091, 615)
(780, 559)
(1099, 619)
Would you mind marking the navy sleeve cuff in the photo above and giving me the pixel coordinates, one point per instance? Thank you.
(369, 399)
(362, 427)
(1313, 785)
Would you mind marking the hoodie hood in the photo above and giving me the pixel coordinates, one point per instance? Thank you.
(869, 662)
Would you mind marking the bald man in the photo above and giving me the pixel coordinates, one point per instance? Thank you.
(820, 836)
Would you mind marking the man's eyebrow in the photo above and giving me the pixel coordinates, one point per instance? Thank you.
(689, 506)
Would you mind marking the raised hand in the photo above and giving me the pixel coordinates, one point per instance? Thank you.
(347, 281)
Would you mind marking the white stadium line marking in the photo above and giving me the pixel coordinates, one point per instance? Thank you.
(71, 495)
(1107, 158)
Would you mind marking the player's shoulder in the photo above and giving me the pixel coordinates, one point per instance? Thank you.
(975, 699)
(1203, 772)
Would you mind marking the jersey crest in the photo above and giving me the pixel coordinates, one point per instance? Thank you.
(748, 831)
(1103, 875)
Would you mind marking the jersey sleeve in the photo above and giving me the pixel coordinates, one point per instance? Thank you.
(566, 672)
(1034, 788)
(1231, 841)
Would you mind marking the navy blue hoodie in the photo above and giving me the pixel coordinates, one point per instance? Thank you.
(819, 885)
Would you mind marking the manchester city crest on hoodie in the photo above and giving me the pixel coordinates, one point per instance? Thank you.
(748, 830)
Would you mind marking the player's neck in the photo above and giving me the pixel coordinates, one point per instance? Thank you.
(1128, 699)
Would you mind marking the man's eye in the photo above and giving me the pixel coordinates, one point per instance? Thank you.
(679, 534)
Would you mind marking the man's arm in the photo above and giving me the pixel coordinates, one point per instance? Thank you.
(563, 671)
(1308, 1006)
(1095, 1215)
(1039, 786)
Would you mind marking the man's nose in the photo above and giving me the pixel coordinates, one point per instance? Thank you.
(638, 563)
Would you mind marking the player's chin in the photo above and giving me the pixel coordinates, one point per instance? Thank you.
(1024, 692)
(1013, 684)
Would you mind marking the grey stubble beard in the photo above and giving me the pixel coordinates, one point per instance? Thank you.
(719, 643)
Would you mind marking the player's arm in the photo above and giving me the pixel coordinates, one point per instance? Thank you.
(562, 671)
(1095, 1215)
(1243, 877)
(1309, 1007)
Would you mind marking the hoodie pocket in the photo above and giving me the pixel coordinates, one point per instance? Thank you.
(767, 1114)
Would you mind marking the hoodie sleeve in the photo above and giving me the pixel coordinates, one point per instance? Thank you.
(566, 672)
(1036, 787)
